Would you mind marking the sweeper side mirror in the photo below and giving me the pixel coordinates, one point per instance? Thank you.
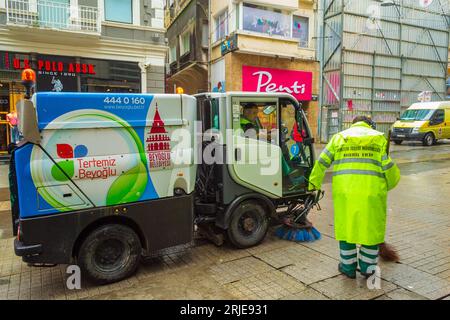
(26, 112)
(27, 124)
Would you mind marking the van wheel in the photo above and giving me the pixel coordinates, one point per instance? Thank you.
(398, 142)
(109, 254)
(429, 139)
(249, 224)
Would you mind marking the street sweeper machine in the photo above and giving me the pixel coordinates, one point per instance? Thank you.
(100, 180)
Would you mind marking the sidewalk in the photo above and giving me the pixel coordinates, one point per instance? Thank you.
(418, 226)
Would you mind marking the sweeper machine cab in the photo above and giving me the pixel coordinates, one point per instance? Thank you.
(101, 179)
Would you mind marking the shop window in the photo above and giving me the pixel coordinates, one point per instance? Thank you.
(222, 25)
(112, 77)
(300, 30)
(172, 54)
(268, 21)
(119, 11)
(205, 34)
(185, 43)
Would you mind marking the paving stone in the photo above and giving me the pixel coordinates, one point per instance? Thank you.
(420, 282)
(308, 294)
(326, 245)
(271, 243)
(444, 275)
(5, 206)
(193, 284)
(401, 294)
(343, 288)
(238, 269)
(313, 268)
(266, 286)
(290, 254)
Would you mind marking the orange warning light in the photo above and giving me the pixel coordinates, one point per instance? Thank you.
(28, 75)
(180, 90)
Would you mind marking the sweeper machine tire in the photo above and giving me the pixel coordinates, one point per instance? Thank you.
(109, 254)
(248, 225)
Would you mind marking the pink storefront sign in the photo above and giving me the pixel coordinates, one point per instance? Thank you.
(297, 83)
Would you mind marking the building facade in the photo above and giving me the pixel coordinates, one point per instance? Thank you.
(266, 46)
(448, 74)
(378, 56)
(80, 46)
(188, 38)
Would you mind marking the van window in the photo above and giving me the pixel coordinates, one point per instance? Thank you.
(417, 115)
(439, 116)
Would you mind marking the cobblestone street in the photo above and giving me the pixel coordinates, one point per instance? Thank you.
(418, 226)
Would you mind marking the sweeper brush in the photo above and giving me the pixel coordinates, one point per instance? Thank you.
(295, 225)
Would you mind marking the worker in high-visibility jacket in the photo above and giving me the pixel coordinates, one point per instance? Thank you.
(363, 173)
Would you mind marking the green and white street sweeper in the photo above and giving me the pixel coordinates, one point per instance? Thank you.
(100, 180)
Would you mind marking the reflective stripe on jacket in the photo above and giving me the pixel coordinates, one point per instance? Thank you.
(362, 176)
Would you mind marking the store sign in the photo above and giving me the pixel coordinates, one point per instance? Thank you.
(58, 74)
(297, 83)
(55, 65)
(229, 44)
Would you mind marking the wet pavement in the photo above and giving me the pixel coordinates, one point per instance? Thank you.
(418, 226)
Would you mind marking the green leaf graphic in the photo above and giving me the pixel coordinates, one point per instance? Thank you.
(129, 187)
(68, 168)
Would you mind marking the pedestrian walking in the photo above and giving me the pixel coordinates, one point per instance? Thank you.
(12, 120)
(363, 173)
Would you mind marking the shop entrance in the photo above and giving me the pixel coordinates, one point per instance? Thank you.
(10, 93)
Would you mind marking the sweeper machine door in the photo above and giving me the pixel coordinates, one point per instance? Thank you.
(270, 155)
(256, 154)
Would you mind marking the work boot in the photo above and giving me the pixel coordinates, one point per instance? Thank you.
(348, 274)
(366, 275)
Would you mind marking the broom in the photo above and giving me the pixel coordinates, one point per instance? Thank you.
(389, 253)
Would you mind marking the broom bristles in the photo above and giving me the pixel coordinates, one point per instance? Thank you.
(389, 253)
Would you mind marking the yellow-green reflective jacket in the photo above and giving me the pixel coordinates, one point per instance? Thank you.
(362, 176)
(248, 125)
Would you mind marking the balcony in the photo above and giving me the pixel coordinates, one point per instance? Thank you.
(289, 5)
(54, 16)
(266, 45)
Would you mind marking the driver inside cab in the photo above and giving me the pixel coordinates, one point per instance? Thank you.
(249, 119)
(251, 123)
